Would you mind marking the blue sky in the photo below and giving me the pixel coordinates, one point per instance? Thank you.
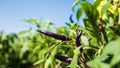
(12, 11)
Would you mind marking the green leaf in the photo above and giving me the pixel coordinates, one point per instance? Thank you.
(47, 24)
(87, 7)
(84, 40)
(97, 2)
(52, 47)
(109, 57)
(90, 11)
(74, 63)
(74, 4)
(79, 13)
(68, 24)
(92, 16)
(38, 62)
(23, 32)
(93, 34)
(47, 63)
(114, 49)
(53, 57)
(105, 7)
(36, 49)
(32, 20)
(51, 60)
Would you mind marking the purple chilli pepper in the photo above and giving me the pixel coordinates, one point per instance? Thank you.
(78, 42)
(116, 19)
(63, 58)
(70, 18)
(56, 36)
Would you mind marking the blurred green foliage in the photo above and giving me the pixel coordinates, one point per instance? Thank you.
(99, 47)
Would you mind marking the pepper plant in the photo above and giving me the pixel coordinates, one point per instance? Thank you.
(90, 45)
(94, 45)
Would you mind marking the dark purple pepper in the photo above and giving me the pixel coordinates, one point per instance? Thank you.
(71, 20)
(78, 42)
(63, 58)
(56, 36)
(116, 19)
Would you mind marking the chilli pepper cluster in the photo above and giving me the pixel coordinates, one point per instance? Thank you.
(63, 38)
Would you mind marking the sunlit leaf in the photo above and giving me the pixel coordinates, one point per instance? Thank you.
(23, 32)
(109, 57)
(38, 62)
(74, 63)
(104, 8)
